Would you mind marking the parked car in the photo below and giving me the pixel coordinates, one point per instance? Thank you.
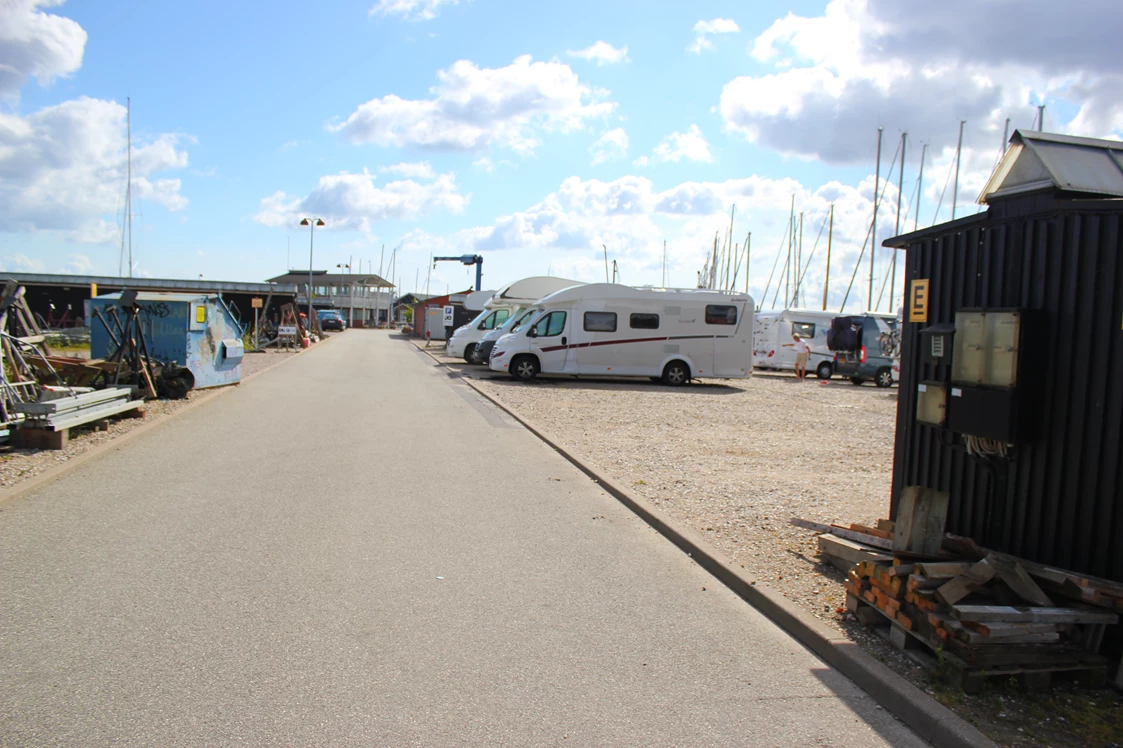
(330, 319)
(867, 347)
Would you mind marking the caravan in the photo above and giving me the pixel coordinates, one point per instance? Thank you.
(506, 301)
(772, 340)
(669, 335)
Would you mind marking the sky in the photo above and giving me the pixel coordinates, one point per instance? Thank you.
(541, 136)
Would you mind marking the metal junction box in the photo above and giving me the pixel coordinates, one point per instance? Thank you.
(988, 347)
(988, 414)
(931, 403)
(937, 342)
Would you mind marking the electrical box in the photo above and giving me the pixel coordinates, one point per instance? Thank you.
(1003, 334)
(931, 403)
(988, 414)
(936, 343)
(970, 342)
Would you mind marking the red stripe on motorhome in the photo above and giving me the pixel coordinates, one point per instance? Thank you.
(632, 340)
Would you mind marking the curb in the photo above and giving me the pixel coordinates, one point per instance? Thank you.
(928, 718)
(47, 477)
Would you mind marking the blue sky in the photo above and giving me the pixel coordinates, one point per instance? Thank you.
(531, 133)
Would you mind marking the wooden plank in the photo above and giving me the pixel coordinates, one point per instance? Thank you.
(870, 531)
(886, 525)
(842, 532)
(942, 569)
(1004, 630)
(1020, 582)
(1009, 614)
(848, 550)
(919, 525)
(966, 583)
(917, 582)
(900, 570)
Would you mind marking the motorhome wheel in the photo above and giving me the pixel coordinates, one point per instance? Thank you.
(824, 370)
(524, 368)
(470, 353)
(675, 373)
(884, 377)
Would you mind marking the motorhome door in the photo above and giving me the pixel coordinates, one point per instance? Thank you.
(550, 341)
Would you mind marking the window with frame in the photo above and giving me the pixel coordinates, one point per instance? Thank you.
(720, 314)
(551, 325)
(644, 321)
(600, 321)
(804, 330)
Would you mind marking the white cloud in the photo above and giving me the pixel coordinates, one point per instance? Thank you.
(352, 201)
(418, 170)
(78, 264)
(689, 145)
(642, 162)
(601, 53)
(610, 146)
(704, 29)
(473, 108)
(632, 218)
(862, 63)
(410, 10)
(484, 163)
(64, 168)
(21, 263)
(36, 44)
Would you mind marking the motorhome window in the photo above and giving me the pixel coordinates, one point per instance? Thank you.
(719, 314)
(496, 318)
(550, 325)
(524, 317)
(645, 322)
(803, 329)
(600, 321)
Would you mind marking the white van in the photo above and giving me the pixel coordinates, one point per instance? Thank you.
(506, 301)
(463, 340)
(772, 340)
(482, 352)
(672, 335)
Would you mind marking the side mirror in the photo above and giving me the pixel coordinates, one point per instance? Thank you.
(532, 333)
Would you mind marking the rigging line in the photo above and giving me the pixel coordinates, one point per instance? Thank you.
(807, 266)
(776, 295)
(779, 252)
(951, 168)
(857, 265)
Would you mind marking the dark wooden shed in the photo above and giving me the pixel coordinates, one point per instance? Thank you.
(1049, 484)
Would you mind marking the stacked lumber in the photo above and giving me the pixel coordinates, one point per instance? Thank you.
(988, 614)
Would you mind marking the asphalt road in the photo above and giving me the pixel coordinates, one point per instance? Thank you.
(356, 549)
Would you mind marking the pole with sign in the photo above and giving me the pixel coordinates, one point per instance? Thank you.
(256, 304)
(447, 319)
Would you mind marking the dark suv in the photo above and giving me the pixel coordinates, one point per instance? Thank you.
(866, 347)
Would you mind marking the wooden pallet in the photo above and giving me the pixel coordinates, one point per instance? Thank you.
(1033, 671)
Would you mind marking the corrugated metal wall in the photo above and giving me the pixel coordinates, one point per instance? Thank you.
(1057, 501)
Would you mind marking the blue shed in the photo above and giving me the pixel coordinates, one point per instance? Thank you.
(193, 330)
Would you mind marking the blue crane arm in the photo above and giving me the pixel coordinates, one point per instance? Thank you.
(476, 260)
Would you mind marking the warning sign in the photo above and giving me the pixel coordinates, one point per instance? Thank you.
(918, 300)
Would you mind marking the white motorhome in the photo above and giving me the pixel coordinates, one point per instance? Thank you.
(482, 352)
(506, 301)
(772, 340)
(672, 335)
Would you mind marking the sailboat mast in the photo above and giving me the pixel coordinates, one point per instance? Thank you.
(129, 189)
(830, 237)
(958, 153)
(873, 234)
(748, 241)
(897, 228)
(919, 188)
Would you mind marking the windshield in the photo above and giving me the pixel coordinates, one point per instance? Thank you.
(513, 324)
(479, 318)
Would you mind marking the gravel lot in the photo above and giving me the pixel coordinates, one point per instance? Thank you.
(18, 465)
(734, 460)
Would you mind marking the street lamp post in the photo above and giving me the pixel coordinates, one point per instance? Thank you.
(350, 293)
(311, 223)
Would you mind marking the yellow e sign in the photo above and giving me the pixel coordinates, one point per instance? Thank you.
(918, 300)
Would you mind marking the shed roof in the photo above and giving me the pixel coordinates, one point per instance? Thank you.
(1037, 161)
